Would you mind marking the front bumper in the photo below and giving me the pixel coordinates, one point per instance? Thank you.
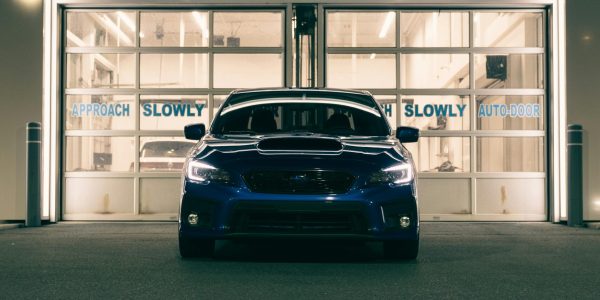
(226, 212)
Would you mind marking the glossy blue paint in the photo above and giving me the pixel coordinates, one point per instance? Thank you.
(379, 204)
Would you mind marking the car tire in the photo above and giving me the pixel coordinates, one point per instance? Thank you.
(406, 250)
(189, 247)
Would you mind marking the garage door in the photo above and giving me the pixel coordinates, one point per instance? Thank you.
(474, 83)
(132, 80)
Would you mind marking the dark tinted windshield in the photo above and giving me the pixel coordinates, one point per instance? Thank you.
(288, 116)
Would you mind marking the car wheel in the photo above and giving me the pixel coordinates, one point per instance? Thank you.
(408, 249)
(195, 247)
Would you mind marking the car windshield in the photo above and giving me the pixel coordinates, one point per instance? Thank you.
(166, 149)
(316, 116)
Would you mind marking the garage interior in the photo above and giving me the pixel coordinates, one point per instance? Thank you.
(175, 65)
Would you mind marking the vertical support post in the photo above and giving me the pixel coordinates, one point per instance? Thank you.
(297, 38)
(313, 82)
(575, 175)
(305, 23)
(34, 174)
(289, 48)
(320, 46)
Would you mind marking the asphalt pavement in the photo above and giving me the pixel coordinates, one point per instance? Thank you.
(74, 260)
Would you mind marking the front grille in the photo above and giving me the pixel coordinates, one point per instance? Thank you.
(312, 182)
(300, 218)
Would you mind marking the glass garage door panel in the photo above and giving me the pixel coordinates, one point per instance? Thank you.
(99, 112)
(508, 29)
(510, 154)
(182, 70)
(441, 154)
(133, 79)
(174, 29)
(172, 112)
(99, 154)
(361, 29)
(108, 197)
(361, 70)
(248, 70)
(160, 195)
(511, 196)
(509, 71)
(434, 29)
(510, 112)
(100, 29)
(100, 70)
(163, 153)
(434, 71)
(473, 82)
(444, 196)
(248, 29)
(421, 112)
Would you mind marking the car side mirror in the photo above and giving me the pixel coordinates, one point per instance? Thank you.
(407, 134)
(194, 131)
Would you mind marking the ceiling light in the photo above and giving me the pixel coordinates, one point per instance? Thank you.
(123, 16)
(389, 19)
(112, 26)
(201, 20)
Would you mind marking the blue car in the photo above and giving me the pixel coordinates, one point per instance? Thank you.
(299, 163)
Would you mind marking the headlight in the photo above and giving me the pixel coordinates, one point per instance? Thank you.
(397, 174)
(205, 173)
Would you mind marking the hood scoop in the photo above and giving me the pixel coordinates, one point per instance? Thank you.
(299, 144)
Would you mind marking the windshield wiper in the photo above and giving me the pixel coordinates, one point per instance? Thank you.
(301, 131)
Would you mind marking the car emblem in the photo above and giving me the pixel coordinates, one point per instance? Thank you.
(301, 178)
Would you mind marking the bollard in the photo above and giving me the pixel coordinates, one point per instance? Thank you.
(33, 169)
(575, 174)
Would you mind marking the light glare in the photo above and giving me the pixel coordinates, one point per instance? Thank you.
(386, 24)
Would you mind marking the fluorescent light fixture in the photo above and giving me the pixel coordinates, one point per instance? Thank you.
(201, 20)
(128, 22)
(80, 43)
(116, 30)
(387, 24)
(75, 39)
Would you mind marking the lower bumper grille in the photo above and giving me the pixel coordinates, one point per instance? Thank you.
(257, 218)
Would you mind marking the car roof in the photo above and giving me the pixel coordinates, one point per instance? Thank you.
(155, 142)
(293, 89)
(242, 95)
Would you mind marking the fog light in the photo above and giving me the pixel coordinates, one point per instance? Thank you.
(404, 222)
(193, 219)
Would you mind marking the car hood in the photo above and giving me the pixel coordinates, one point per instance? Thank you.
(293, 152)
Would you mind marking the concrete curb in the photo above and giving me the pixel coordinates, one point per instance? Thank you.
(10, 226)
